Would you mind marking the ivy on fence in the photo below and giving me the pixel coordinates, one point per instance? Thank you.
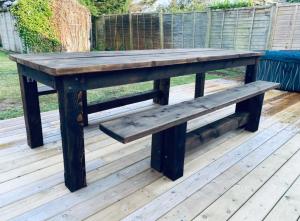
(33, 22)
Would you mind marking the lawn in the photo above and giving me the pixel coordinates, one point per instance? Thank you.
(10, 98)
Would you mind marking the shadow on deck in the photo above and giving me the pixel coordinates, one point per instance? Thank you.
(238, 176)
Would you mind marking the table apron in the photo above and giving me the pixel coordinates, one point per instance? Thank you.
(36, 75)
(116, 78)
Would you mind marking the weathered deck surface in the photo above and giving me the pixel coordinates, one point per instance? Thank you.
(242, 175)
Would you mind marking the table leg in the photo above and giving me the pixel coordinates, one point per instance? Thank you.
(71, 120)
(174, 151)
(84, 107)
(251, 72)
(199, 85)
(164, 86)
(32, 115)
(158, 139)
(254, 105)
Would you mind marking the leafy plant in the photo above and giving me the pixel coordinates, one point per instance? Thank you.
(112, 7)
(33, 21)
(227, 4)
(293, 1)
(98, 7)
(184, 6)
(90, 4)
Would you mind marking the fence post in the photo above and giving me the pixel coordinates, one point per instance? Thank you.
(222, 28)
(194, 28)
(161, 29)
(207, 40)
(130, 32)
(251, 29)
(293, 27)
(236, 27)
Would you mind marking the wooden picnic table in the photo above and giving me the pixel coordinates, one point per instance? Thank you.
(72, 74)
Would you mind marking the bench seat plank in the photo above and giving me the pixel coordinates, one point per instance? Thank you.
(138, 125)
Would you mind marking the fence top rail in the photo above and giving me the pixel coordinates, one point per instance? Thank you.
(245, 8)
(197, 11)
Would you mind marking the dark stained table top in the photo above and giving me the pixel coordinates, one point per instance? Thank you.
(59, 64)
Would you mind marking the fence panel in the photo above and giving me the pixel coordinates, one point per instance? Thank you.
(258, 28)
(246, 28)
(150, 31)
(9, 36)
(286, 30)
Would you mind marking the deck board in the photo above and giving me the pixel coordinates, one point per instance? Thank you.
(121, 184)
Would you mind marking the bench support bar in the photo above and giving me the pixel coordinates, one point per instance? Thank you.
(215, 129)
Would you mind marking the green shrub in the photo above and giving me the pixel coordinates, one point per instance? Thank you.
(184, 6)
(293, 1)
(112, 6)
(33, 21)
(90, 4)
(227, 4)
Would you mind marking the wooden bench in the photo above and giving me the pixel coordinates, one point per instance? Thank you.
(168, 124)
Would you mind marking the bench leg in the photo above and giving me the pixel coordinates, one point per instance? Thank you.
(164, 86)
(71, 121)
(32, 113)
(174, 151)
(199, 85)
(157, 154)
(254, 107)
(168, 150)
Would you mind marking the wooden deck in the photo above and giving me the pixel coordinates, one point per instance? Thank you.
(239, 176)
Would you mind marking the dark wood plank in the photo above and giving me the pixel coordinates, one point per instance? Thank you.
(72, 122)
(157, 154)
(92, 64)
(215, 129)
(68, 55)
(125, 100)
(199, 84)
(254, 107)
(116, 78)
(31, 109)
(163, 86)
(85, 108)
(135, 126)
(251, 73)
(173, 150)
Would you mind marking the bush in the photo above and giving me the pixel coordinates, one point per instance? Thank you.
(90, 4)
(184, 6)
(33, 21)
(227, 4)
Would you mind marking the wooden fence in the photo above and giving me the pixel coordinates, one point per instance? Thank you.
(258, 28)
(9, 36)
(286, 27)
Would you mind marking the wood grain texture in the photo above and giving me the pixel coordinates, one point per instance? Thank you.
(135, 126)
(69, 64)
(31, 110)
(72, 122)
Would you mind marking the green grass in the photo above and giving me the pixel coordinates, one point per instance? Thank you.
(10, 98)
